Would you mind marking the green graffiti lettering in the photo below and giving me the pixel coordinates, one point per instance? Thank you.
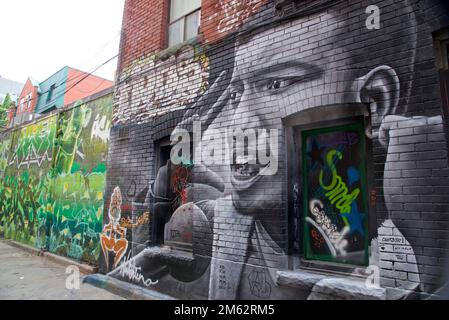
(337, 191)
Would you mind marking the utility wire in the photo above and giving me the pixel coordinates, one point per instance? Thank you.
(67, 80)
(83, 76)
(104, 47)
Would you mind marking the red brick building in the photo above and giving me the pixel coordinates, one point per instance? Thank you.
(28, 97)
(146, 24)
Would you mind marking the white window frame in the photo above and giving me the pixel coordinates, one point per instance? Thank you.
(183, 25)
(22, 102)
(29, 98)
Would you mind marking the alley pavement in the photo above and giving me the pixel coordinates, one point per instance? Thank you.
(24, 276)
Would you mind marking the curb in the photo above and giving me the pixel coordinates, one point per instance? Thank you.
(64, 261)
(24, 247)
(84, 268)
(124, 289)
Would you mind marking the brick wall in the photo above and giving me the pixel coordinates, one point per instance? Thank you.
(317, 67)
(145, 24)
(144, 29)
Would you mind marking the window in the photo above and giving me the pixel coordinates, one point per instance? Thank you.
(50, 93)
(22, 102)
(28, 101)
(185, 19)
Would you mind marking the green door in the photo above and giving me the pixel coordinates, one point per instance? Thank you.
(335, 202)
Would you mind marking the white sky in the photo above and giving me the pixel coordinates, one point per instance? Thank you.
(37, 38)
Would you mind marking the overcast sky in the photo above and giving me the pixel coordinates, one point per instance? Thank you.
(37, 38)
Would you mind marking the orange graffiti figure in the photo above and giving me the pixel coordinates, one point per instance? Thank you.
(113, 238)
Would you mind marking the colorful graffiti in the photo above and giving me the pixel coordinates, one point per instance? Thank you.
(5, 145)
(113, 238)
(25, 188)
(180, 181)
(142, 220)
(335, 239)
(78, 186)
(337, 191)
(331, 209)
(52, 189)
(350, 127)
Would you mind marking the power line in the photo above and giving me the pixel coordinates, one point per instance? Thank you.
(104, 47)
(90, 73)
(82, 76)
(93, 57)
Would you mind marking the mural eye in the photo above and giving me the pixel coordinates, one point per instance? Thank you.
(275, 84)
(235, 95)
(278, 84)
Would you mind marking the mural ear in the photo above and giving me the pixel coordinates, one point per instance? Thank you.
(381, 89)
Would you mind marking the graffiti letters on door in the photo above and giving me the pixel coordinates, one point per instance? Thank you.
(335, 208)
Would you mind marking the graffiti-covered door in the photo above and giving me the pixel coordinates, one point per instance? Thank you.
(335, 206)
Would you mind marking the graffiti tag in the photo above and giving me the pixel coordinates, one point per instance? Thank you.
(337, 189)
(335, 239)
(129, 270)
(100, 128)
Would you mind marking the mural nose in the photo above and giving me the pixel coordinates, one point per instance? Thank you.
(246, 116)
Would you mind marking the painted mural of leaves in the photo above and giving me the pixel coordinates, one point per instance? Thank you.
(31, 199)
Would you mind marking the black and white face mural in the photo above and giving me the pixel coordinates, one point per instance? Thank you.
(320, 104)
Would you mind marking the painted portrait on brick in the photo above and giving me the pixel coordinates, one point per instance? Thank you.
(353, 169)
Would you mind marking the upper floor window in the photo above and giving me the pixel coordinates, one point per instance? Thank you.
(28, 101)
(185, 17)
(50, 93)
(22, 103)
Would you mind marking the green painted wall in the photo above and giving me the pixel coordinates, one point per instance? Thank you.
(52, 179)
